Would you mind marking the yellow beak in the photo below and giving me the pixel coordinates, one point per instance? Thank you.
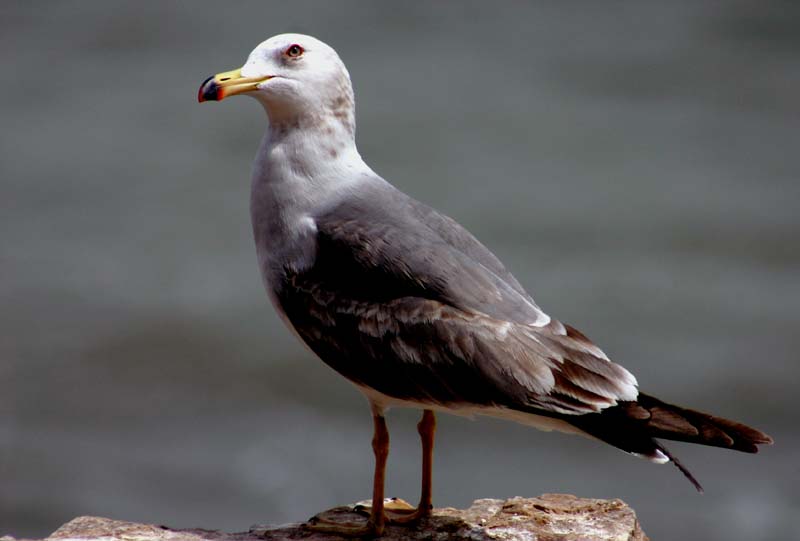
(229, 83)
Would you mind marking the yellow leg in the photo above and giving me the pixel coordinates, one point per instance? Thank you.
(377, 519)
(427, 430)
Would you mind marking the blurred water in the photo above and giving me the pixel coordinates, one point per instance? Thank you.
(636, 165)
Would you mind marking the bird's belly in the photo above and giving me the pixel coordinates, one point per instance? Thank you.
(382, 402)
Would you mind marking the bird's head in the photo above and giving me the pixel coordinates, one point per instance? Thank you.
(294, 76)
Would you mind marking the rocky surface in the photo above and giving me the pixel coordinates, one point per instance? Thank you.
(550, 517)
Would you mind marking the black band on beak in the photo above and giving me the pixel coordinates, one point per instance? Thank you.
(209, 90)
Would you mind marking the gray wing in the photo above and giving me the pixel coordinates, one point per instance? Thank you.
(393, 305)
(454, 234)
(390, 231)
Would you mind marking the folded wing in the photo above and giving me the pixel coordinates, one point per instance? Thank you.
(392, 305)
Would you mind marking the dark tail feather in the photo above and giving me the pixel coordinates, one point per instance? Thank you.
(632, 427)
(663, 420)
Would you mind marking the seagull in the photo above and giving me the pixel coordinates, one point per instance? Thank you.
(408, 305)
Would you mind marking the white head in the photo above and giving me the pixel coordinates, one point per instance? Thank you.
(299, 80)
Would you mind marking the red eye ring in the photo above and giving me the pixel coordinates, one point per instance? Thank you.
(294, 51)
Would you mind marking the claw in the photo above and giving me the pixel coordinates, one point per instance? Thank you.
(346, 528)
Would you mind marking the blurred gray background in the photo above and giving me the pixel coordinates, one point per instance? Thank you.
(635, 164)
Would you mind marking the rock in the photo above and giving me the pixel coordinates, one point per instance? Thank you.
(550, 517)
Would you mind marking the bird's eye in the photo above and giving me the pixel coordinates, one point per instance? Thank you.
(294, 51)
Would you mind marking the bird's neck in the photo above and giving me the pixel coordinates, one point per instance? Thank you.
(299, 169)
(308, 144)
(305, 162)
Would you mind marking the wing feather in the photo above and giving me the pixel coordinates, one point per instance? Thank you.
(393, 305)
